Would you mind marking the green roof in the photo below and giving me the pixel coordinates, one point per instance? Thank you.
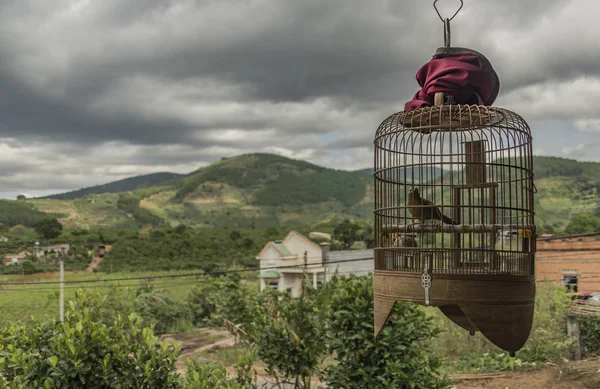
(269, 274)
(282, 249)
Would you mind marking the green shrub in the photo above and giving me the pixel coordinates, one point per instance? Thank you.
(547, 342)
(583, 224)
(83, 352)
(288, 338)
(160, 311)
(218, 298)
(99, 347)
(210, 376)
(401, 358)
(28, 267)
(589, 330)
(286, 334)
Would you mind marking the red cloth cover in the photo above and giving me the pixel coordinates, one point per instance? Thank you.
(462, 76)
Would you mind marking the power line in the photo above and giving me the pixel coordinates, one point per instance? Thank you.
(46, 289)
(173, 285)
(203, 274)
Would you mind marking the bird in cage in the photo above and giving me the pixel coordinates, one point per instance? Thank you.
(405, 240)
(424, 210)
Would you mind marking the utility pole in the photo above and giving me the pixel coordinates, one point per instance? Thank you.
(304, 275)
(305, 260)
(62, 292)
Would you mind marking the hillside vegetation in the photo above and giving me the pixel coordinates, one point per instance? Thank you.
(264, 190)
(13, 213)
(566, 188)
(127, 184)
(254, 190)
(186, 249)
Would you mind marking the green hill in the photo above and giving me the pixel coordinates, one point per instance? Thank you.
(260, 190)
(13, 213)
(264, 190)
(565, 188)
(127, 184)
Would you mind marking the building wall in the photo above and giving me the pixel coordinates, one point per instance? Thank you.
(574, 255)
(292, 278)
(298, 245)
(271, 258)
(358, 268)
(294, 282)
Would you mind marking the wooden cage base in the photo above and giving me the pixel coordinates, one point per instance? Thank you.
(501, 308)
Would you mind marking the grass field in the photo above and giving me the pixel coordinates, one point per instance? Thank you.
(20, 302)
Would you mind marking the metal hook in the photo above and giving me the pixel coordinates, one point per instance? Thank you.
(447, 32)
(456, 13)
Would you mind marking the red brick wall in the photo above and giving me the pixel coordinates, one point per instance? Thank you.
(581, 254)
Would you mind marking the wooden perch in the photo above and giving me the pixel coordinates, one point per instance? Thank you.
(448, 228)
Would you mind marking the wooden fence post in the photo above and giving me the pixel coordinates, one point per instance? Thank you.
(573, 330)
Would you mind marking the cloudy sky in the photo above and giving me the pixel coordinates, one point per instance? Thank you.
(98, 90)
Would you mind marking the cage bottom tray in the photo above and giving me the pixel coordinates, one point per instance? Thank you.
(500, 307)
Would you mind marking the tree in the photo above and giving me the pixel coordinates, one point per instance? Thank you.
(96, 347)
(401, 357)
(287, 335)
(83, 350)
(583, 224)
(347, 233)
(180, 229)
(48, 228)
(21, 197)
(18, 230)
(547, 229)
(235, 235)
(28, 267)
(366, 234)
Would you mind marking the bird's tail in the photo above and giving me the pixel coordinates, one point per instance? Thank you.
(448, 220)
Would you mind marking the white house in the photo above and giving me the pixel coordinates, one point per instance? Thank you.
(59, 249)
(276, 257)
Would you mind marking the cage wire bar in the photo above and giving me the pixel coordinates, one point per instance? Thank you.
(474, 259)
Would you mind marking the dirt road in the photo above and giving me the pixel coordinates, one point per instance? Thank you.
(570, 375)
(97, 259)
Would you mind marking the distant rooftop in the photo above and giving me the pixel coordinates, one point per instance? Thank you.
(282, 249)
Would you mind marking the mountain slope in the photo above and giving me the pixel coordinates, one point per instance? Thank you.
(267, 190)
(127, 184)
(13, 213)
(243, 191)
(565, 188)
(263, 190)
(266, 179)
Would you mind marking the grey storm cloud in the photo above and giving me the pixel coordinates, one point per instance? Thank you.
(111, 88)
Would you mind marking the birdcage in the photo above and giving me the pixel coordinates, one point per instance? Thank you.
(454, 220)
